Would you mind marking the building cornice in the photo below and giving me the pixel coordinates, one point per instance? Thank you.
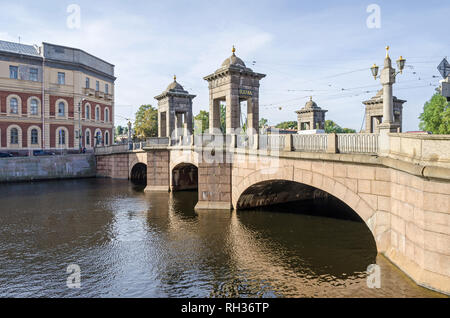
(225, 71)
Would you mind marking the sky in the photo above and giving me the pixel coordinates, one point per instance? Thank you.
(322, 49)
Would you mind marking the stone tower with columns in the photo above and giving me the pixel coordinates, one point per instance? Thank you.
(234, 83)
(311, 117)
(174, 111)
(374, 112)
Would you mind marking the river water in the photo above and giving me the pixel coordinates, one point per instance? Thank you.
(128, 243)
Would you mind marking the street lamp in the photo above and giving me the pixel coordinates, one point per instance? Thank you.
(400, 64)
(387, 79)
(130, 143)
(79, 124)
(374, 70)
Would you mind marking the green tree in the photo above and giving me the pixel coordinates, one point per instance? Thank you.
(146, 123)
(119, 130)
(201, 122)
(262, 122)
(223, 118)
(436, 115)
(287, 125)
(332, 127)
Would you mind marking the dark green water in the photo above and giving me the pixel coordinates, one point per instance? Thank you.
(131, 244)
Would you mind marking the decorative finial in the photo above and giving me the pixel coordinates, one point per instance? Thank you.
(174, 78)
(387, 51)
(310, 98)
(233, 50)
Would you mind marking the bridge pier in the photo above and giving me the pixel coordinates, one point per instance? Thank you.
(214, 186)
(158, 171)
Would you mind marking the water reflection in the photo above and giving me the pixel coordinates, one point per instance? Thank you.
(133, 244)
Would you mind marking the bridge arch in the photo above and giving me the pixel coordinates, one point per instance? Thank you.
(184, 176)
(314, 180)
(138, 173)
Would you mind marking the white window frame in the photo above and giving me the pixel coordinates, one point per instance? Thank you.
(87, 114)
(17, 71)
(66, 108)
(19, 136)
(30, 99)
(66, 138)
(34, 79)
(62, 79)
(39, 137)
(106, 115)
(19, 105)
(86, 133)
(97, 112)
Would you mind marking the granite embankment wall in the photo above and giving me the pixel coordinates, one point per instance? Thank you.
(47, 167)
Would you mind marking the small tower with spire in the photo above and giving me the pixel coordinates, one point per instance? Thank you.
(232, 84)
(174, 111)
(311, 118)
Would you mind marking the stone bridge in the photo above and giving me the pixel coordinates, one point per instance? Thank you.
(402, 192)
(398, 184)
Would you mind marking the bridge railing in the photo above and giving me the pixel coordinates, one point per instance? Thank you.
(111, 149)
(310, 143)
(357, 143)
(157, 141)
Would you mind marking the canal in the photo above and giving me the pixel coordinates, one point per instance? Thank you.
(128, 243)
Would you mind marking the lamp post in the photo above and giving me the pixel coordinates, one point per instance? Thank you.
(79, 125)
(130, 144)
(387, 79)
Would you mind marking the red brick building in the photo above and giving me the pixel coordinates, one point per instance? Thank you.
(54, 97)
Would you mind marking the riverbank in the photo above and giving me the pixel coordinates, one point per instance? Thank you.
(19, 169)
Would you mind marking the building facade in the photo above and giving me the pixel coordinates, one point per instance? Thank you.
(54, 97)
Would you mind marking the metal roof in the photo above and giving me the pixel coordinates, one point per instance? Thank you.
(18, 48)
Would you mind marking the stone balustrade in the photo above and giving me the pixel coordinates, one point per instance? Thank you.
(311, 143)
(422, 149)
(357, 143)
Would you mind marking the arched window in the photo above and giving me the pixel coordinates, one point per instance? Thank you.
(34, 106)
(98, 138)
(13, 106)
(61, 109)
(106, 115)
(14, 136)
(34, 136)
(97, 113)
(61, 137)
(88, 138)
(88, 111)
(106, 138)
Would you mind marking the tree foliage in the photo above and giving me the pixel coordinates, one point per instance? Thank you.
(263, 122)
(332, 127)
(121, 130)
(223, 118)
(146, 123)
(201, 122)
(287, 125)
(436, 115)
